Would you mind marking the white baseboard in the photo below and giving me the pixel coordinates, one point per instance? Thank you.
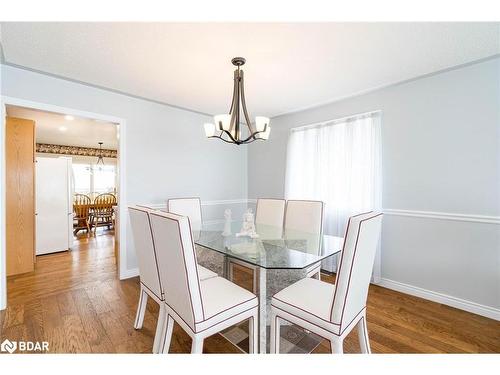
(129, 273)
(473, 307)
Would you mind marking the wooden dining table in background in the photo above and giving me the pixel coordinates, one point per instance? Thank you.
(89, 208)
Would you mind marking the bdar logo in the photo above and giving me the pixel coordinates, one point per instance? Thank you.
(8, 346)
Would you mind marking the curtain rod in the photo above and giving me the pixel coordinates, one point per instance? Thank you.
(330, 122)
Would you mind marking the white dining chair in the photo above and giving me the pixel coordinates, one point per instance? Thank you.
(333, 310)
(190, 207)
(148, 270)
(305, 218)
(269, 215)
(270, 211)
(200, 307)
(150, 284)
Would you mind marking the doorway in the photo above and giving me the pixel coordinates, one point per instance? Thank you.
(65, 137)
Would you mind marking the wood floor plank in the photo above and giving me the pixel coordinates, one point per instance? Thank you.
(53, 325)
(76, 339)
(14, 315)
(143, 338)
(98, 301)
(66, 304)
(94, 330)
(118, 335)
(33, 320)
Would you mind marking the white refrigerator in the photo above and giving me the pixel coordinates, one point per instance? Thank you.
(54, 205)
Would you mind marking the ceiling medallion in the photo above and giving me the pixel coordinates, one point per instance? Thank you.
(228, 127)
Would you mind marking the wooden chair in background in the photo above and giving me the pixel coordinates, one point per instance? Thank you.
(102, 213)
(81, 210)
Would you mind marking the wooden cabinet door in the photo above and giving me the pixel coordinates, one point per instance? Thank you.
(20, 194)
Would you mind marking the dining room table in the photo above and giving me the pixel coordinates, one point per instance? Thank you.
(279, 257)
(81, 224)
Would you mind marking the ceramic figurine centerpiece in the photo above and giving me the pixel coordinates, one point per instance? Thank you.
(248, 226)
(227, 222)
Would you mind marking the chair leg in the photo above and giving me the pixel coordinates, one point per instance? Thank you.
(167, 337)
(364, 341)
(275, 334)
(254, 285)
(197, 345)
(141, 309)
(337, 345)
(253, 334)
(160, 325)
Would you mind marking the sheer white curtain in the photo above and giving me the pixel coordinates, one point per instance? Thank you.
(339, 163)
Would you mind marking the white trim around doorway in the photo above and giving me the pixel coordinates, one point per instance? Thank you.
(121, 234)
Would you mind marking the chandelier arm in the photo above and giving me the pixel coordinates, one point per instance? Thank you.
(234, 104)
(243, 103)
(235, 85)
(237, 108)
(251, 139)
(222, 139)
(253, 135)
(254, 139)
(229, 135)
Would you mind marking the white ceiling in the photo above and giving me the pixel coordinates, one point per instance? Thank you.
(53, 128)
(290, 66)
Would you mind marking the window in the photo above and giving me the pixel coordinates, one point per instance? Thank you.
(82, 178)
(93, 180)
(337, 162)
(104, 179)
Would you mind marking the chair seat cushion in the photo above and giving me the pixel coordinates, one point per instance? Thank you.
(223, 299)
(308, 299)
(205, 273)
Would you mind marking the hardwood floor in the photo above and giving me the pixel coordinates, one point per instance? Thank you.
(75, 301)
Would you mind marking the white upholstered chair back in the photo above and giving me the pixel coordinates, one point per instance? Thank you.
(145, 249)
(355, 268)
(190, 207)
(270, 211)
(304, 216)
(304, 220)
(269, 216)
(177, 265)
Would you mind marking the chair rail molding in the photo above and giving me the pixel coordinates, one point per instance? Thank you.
(203, 203)
(438, 215)
(444, 216)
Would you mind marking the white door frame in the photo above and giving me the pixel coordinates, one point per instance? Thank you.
(121, 234)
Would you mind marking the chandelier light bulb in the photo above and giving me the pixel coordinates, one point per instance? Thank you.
(209, 129)
(261, 122)
(223, 122)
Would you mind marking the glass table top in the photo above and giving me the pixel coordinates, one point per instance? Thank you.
(272, 249)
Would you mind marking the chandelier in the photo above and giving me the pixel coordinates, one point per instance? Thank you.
(228, 127)
(100, 159)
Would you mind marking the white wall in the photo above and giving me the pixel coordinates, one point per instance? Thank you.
(167, 154)
(440, 145)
